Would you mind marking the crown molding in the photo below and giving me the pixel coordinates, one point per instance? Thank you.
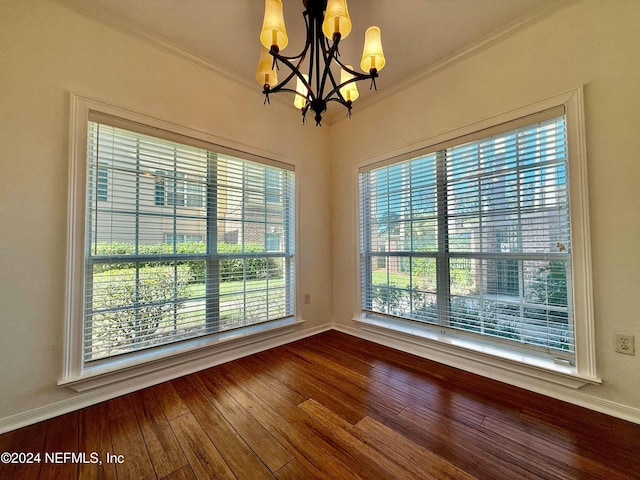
(462, 55)
(330, 118)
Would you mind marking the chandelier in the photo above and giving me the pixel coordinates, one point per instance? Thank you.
(327, 23)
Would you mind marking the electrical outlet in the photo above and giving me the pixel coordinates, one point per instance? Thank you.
(625, 344)
(307, 298)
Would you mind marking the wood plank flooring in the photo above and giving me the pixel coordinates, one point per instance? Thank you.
(330, 407)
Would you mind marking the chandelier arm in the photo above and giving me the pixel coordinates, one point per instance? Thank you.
(312, 55)
(349, 70)
(356, 78)
(295, 71)
(319, 52)
(341, 101)
(303, 53)
(284, 90)
(336, 87)
(348, 104)
(339, 86)
(329, 56)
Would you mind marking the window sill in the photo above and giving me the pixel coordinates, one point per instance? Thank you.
(501, 363)
(157, 365)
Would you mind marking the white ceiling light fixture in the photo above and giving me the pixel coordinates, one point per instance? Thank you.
(327, 23)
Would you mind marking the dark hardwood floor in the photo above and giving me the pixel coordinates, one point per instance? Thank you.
(329, 407)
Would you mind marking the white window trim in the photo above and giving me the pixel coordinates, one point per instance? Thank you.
(477, 357)
(183, 355)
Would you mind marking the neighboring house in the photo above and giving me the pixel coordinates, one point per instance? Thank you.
(174, 185)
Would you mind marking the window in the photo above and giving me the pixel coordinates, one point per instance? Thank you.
(273, 241)
(177, 188)
(473, 239)
(103, 183)
(272, 188)
(159, 188)
(177, 251)
(170, 238)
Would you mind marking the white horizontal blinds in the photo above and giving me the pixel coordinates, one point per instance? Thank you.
(168, 251)
(254, 224)
(475, 237)
(139, 283)
(509, 236)
(399, 237)
(474, 135)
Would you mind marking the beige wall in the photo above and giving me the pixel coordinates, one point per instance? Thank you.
(590, 42)
(48, 51)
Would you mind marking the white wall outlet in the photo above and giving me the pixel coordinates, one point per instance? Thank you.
(625, 344)
(307, 298)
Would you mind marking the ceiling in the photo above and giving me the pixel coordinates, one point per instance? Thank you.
(417, 35)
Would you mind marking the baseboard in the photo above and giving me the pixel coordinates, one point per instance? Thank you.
(98, 395)
(569, 395)
(92, 397)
